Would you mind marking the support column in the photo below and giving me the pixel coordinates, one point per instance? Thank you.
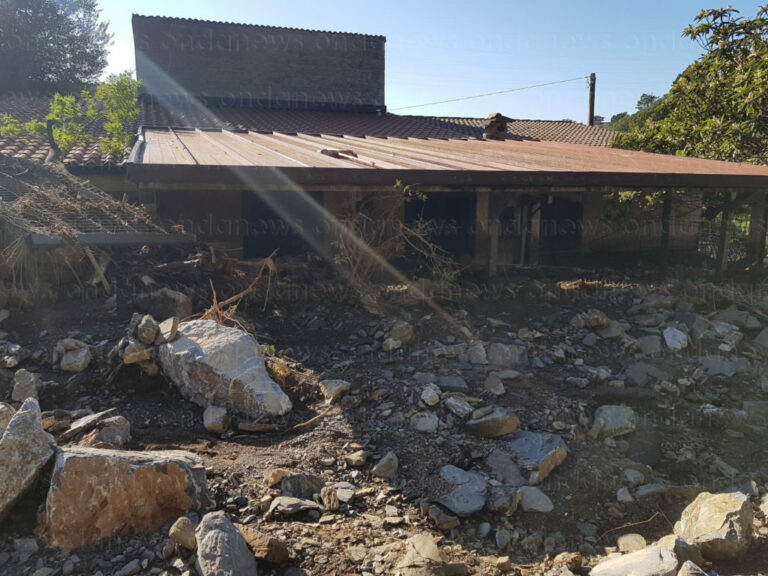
(666, 213)
(482, 237)
(757, 231)
(725, 235)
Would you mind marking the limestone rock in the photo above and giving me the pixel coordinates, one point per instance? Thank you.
(72, 355)
(652, 561)
(137, 352)
(216, 419)
(302, 486)
(25, 385)
(684, 551)
(334, 389)
(214, 364)
(264, 546)
(467, 490)
(504, 468)
(424, 422)
(167, 331)
(592, 318)
(458, 406)
(221, 549)
(507, 355)
(538, 452)
(113, 432)
(690, 569)
(476, 353)
(613, 421)
(675, 339)
(649, 345)
(503, 499)
(182, 533)
(85, 424)
(402, 331)
(147, 330)
(24, 449)
(631, 542)
(422, 556)
(452, 383)
(534, 500)
(6, 413)
(719, 524)
(494, 385)
(167, 484)
(386, 467)
(498, 423)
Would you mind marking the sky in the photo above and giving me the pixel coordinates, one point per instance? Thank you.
(454, 49)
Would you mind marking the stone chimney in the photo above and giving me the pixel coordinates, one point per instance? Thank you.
(495, 127)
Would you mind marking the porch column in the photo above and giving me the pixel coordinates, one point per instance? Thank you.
(757, 230)
(482, 237)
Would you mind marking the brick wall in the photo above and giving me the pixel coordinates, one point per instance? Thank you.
(246, 65)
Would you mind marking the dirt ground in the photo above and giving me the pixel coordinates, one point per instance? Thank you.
(323, 332)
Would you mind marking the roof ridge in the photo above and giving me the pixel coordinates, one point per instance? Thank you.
(230, 23)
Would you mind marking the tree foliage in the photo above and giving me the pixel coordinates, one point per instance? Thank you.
(113, 106)
(717, 107)
(51, 45)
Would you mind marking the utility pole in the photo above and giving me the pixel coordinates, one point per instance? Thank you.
(592, 81)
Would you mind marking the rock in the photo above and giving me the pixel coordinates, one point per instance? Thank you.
(690, 569)
(167, 331)
(723, 366)
(756, 411)
(503, 499)
(740, 318)
(498, 423)
(264, 546)
(613, 421)
(402, 331)
(507, 355)
(289, 506)
(494, 385)
(719, 524)
(534, 500)
(72, 355)
(273, 476)
(467, 490)
(624, 496)
(6, 413)
(167, 484)
(458, 406)
(538, 452)
(430, 396)
(641, 374)
(214, 364)
(147, 330)
(675, 339)
(631, 542)
(221, 549)
(334, 389)
(592, 318)
(137, 352)
(330, 499)
(114, 432)
(386, 467)
(452, 383)
(133, 567)
(357, 459)
(24, 449)
(301, 486)
(682, 549)
(424, 422)
(216, 419)
(761, 340)
(649, 345)
(182, 533)
(614, 330)
(390, 344)
(422, 556)
(443, 521)
(652, 561)
(25, 385)
(504, 468)
(164, 303)
(85, 424)
(476, 353)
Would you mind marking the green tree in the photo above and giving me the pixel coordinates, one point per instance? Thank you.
(646, 101)
(51, 45)
(114, 105)
(717, 107)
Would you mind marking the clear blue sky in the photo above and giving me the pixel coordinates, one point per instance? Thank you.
(450, 49)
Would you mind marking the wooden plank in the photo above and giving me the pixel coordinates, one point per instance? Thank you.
(99, 271)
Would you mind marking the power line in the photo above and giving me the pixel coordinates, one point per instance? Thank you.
(490, 94)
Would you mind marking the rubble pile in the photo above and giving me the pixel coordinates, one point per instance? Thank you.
(509, 439)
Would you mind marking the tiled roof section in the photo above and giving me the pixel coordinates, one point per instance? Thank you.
(260, 26)
(25, 109)
(545, 130)
(294, 121)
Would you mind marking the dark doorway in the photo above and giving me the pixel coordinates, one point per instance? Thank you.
(452, 219)
(560, 227)
(283, 220)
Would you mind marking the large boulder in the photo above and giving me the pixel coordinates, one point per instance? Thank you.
(221, 548)
(651, 561)
(164, 303)
(97, 493)
(24, 449)
(719, 524)
(214, 364)
(467, 490)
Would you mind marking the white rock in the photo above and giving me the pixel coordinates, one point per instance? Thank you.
(467, 490)
(534, 500)
(25, 385)
(719, 524)
(334, 389)
(613, 421)
(424, 422)
(458, 406)
(216, 419)
(213, 364)
(6, 413)
(221, 548)
(623, 495)
(652, 561)
(430, 396)
(675, 339)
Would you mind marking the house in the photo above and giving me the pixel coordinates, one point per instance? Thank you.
(256, 137)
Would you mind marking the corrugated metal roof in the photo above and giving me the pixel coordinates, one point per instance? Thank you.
(229, 148)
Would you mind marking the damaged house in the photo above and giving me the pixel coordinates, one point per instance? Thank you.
(255, 138)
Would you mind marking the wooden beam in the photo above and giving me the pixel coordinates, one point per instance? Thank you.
(725, 235)
(99, 270)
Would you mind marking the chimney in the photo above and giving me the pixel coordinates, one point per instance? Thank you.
(495, 127)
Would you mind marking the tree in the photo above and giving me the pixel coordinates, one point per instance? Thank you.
(616, 117)
(113, 104)
(718, 106)
(51, 45)
(646, 101)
